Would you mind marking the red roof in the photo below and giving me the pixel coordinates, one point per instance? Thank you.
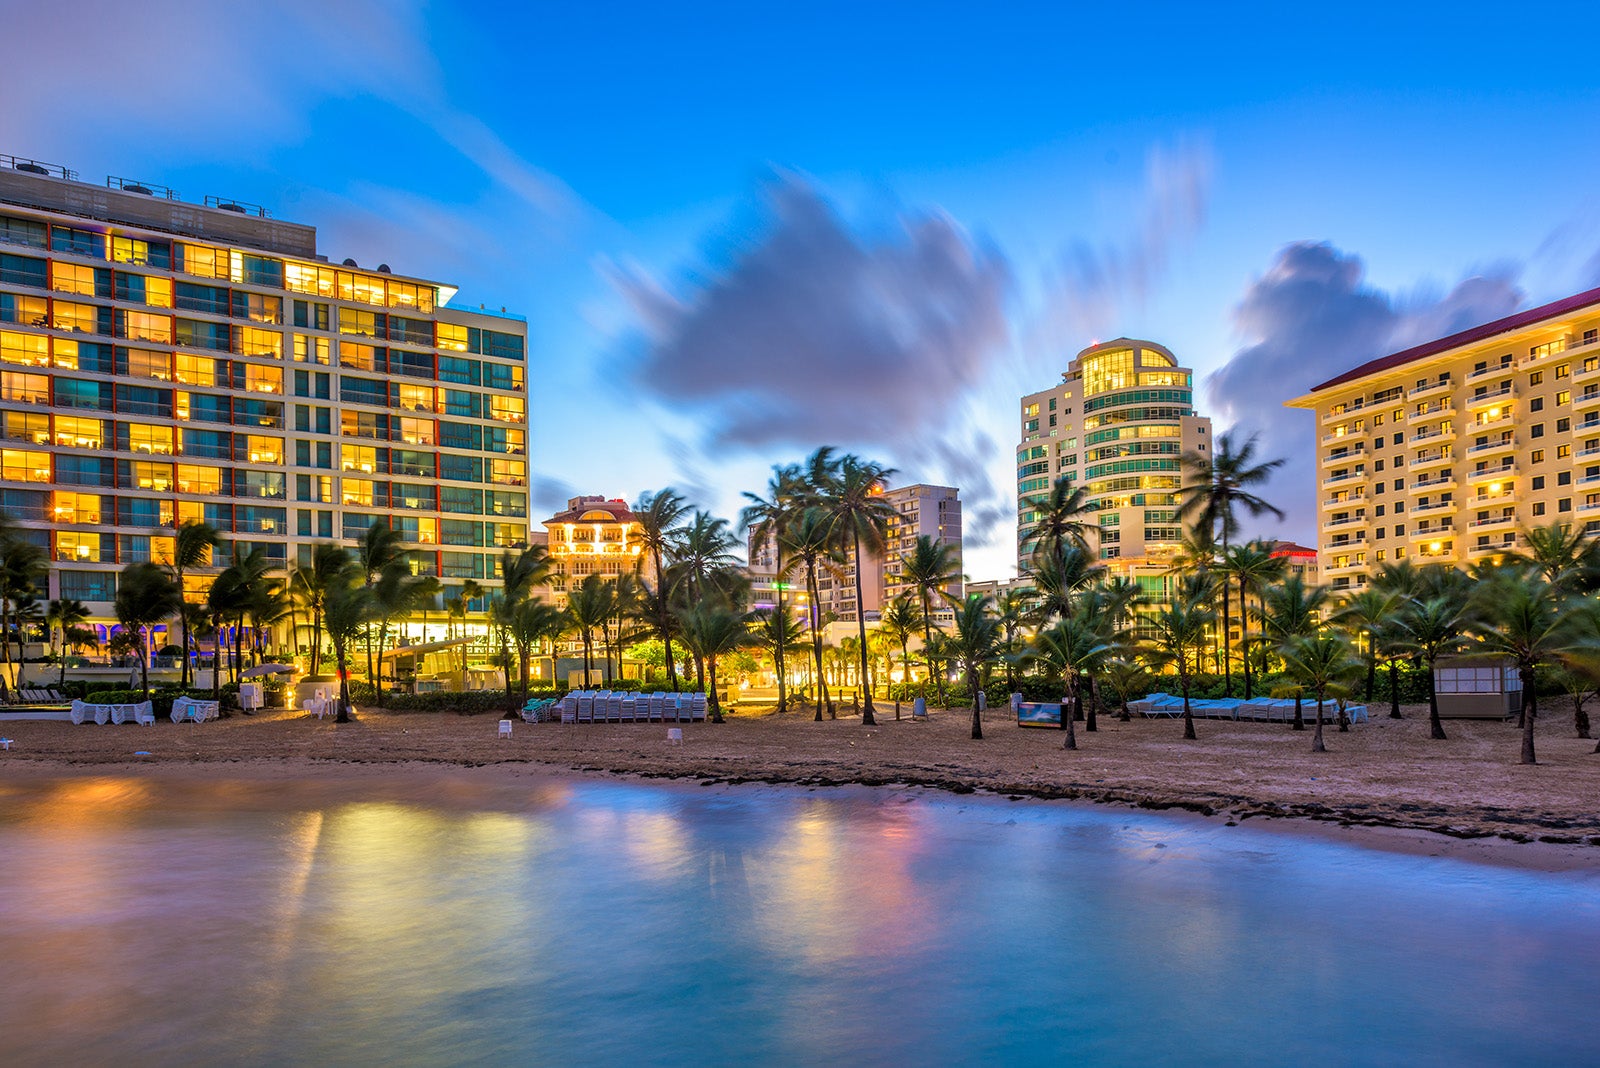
(1466, 337)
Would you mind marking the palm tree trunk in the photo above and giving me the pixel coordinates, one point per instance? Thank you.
(1227, 635)
(1394, 690)
(1530, 711)
(316, 637)
(814, 616)
(1244, 635)
(977, 716)
(183, 624)
(777, 647)
(713, 706)
(1316, 739)
(1436, 729)
(144, 665)
(1094, 703)
(1069, 716)
(867, 718)
(1188, 716)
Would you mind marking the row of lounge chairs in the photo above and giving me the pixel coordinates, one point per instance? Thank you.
(37, 697)
(585, 706)
(1265, 709)
(142, 713)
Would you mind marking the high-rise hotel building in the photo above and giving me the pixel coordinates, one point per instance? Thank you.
(1118, 423)
(1448, 450)
(163, 361)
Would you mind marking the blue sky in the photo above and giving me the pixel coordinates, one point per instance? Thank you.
(738, 234)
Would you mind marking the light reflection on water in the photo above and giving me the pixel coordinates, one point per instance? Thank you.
(603, 923)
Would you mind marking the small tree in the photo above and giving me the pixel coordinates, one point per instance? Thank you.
(347, 609)
(146, 595)
(1327, 664)
(1180, 632)
(974, 645)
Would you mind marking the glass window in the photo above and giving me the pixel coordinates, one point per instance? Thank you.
(17, 465)
(31, 349)
(253, 341)
(29, 389)
(202, 480)
(264, 450)
(89, 585)
(263, 379)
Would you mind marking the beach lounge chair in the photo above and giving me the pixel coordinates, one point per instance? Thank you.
(674, 735)
(505, 729)
(79, 712)
(697, 710)
(586, 707)
(614, 708)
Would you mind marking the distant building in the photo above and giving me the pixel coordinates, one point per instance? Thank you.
(1118, 423)
(592, 536)
(1444, 451)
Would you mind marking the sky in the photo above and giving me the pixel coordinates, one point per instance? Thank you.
(739, 233)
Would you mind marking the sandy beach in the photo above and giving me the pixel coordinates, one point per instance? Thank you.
(1384, 784)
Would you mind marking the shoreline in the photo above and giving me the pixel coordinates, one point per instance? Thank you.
(1380, 786)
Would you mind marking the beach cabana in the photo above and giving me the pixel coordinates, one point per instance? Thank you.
(1477, 687)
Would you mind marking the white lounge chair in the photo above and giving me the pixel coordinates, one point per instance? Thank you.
(80, 712)
(585, 708)
(505, 729)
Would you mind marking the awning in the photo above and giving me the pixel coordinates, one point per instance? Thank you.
(425, 647)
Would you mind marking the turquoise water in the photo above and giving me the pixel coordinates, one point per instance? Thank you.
(572, 922)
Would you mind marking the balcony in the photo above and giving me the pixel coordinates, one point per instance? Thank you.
(1356, 478)
(1335, 504)
(1430, 389)
(1500, 521)
(1589, 398)
(1478, 400)
(1336, 568)
(1503, 473)
(1435, 508)
(1342, 414)
(1437, 433)
(1585, 373)
(1345, 523)
(1442, 406)
(1492, 369)
(1349, 436)
(1498, 547)
(1440, 482)
(1432, 460)
(1491, 448)
(1589, 506)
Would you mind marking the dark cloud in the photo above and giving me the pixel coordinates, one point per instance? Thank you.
(1310, 317)
(548, 495)
(814, 331)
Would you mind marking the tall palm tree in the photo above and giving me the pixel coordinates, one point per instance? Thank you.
(23, 568)
(1221, 484)
(380, 551)
(347, 612)
(66, 618)
(1291, 609)
(1365, 616)
(1434, 627)
(712, 630)
(860, 517)
(1066, 517)
(146, 596)
(930, 568)
(588, 608)
(191, 548)
(900, 622)
(310, 584)
(1057, 579)
(1180, 631)
(777, 631)
(703, 550)
(659, 516)
(809, 545)
(1325, 662)
(766, 519)
(532, 622)
(1069, 648)
(1523, 617)
(973, 645)
(1254, 567)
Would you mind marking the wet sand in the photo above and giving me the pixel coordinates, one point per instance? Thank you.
(1384, 784)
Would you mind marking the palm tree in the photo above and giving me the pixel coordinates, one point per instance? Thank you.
(1290, 610)
(588, 608)
(901, 620)
(1065, 517)
(860, 518)
(1221, 485)
(711, 630)
(531, 622)
(974, 645)
(1057, 579)
(930, 568)
(379, 552)
(146, 596)
(347, 612)
(309, 586)
(1365, 616)
(1254, 567)
(66, 617)
(776, 630)
(1567, 556)
(1325, 662)
(809, 545)
(1434, 627)
(703, 550)
(659, 516)
(1523, 617)
(191, 548)
(766, 519)
(1069, 648)
(23, 566)
(1180, 630)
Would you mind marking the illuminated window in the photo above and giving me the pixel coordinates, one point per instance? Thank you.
(358, 458)
(26, 426)
(30, 311)
(312, 349)
(19, 466)
(352, 321)
(193, 479)
(409, 295)
(77, 545)
(452, 337)
(253, 341)
(76, 317)
(29, 389)
(258, 307)
(416, 431)
(265, 450)
(145, 326)
(71, 278)
(416, 398)
(146, 363)
(305, 278)
(153, 476)
(508, 472)
(197, 370)
(137, 252)
(263, 379)
(77, 507)
(357, 491)
(76, 432)
(365, 288)
(508, 409)
(31, 349)
(145, 438)
(202, 261)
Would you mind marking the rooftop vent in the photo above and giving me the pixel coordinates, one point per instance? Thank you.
(351, 263)
(33, 166)
(128, 185)
(383, 268)
(238, 207)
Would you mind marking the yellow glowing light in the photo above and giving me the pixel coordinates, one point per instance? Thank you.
(1494, 487)
(1434, 547)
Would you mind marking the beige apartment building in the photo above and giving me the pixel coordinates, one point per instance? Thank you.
(592, 536)
(163, 361)
(1446, 451)
(1118, 422)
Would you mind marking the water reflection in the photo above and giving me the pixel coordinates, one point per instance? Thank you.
(569, 922)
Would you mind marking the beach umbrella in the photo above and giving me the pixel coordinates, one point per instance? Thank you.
(268, 669)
